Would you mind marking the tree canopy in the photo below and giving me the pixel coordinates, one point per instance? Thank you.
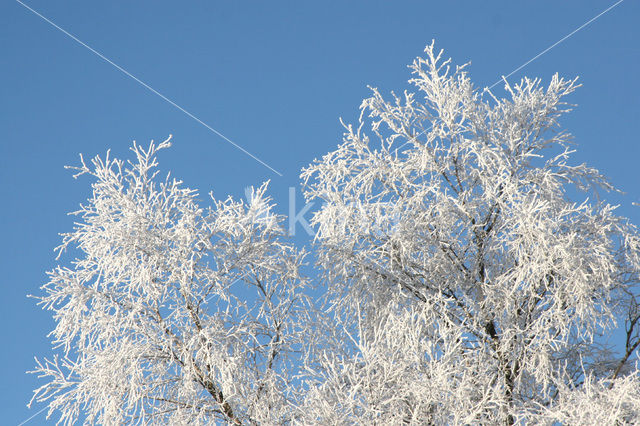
(466, 278)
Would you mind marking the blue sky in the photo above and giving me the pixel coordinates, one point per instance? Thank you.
(272, 76)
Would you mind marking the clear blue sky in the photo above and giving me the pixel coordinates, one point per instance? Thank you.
(272, 76)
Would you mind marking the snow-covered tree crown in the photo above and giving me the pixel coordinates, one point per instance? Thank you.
(173, 313)
(480, 286)
(464, 283)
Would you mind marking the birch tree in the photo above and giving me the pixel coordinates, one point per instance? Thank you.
(473, 280)
(171, 313)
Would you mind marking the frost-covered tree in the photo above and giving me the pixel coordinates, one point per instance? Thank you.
(469, 280)
(468, 283)
(172, 313)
